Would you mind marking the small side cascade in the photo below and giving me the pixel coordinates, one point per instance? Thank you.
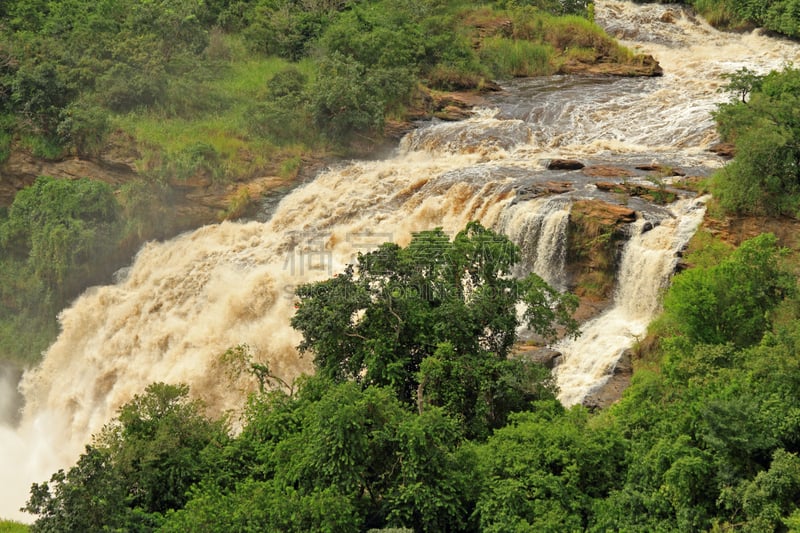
(648, 261)
(539, 228)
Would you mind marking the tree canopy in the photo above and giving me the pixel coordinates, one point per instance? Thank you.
(764, 177)
(413, 318)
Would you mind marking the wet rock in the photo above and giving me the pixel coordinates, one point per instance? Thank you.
(544, 356)
(726, 150)
(641, 65)
(611, 391)
(607, 171)
(657, 195)
(541, 189)
(648, 226)
(661, 169)
(668, 17)
(565, 164)
(453, 113)
(604, 213)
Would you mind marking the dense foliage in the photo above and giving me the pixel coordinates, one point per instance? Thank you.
(380, 436)
(211, 91)
(762, 122)
(72, 72)
(57, 237)
(708, 442)
(419, 416)
(419, 318)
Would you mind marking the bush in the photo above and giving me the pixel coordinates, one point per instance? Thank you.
(284, 115)
(84, 127)
(343, 101)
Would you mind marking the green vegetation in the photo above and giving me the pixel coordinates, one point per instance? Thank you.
(399, 427)
(202, 93)
(58, 237)
(7, 526)
(781, 16)
(79, 77)
(417, 318)
(387, 434)
(761, 120)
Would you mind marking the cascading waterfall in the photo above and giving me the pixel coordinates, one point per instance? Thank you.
(184, 302)
(648, 260)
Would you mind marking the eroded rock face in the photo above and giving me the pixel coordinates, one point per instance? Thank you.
(725, 150)
(603, 213)
(643, 65)
(21, 170)
(544, 356)
(607, 171)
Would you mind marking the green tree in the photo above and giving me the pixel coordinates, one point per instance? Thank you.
(730, 302)
(543, 471)
(142, 465)
(336, 457)
(342, 100)
(764, 177)
(381, 318)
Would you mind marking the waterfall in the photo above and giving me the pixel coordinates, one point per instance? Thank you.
(184, 302)
(539, 229)
(648, 261)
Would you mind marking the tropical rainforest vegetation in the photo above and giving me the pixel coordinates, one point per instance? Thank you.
(418, 417)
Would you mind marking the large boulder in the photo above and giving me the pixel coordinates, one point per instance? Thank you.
(565, 164)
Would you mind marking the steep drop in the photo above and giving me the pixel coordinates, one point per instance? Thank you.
(184, 302)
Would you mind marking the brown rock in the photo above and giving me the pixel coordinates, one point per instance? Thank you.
(565, 164)
(726, 150)
(604, 213)
(641, 65)
(543, 356)
(661, 169)
(650, 193)
(453, 113)
(605, 171)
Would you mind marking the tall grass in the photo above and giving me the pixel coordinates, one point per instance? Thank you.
(8, 526)
(719, 13)
(514, 57)
(214, 107)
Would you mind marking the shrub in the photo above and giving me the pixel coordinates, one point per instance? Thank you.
(343, 101)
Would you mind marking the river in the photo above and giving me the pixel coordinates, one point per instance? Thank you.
(182, 303)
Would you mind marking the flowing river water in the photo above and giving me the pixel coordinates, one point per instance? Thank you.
(184, 302)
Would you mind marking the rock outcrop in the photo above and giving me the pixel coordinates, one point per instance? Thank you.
(565, 164)
(611, 391)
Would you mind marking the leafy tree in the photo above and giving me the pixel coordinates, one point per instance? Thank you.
(764, 177)
(456, 300)
(741, 83)
(336, 458)
(543, 470)
(730, 302)
(141, 466)
(64, 228)
(284, 114)
(342, 101)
